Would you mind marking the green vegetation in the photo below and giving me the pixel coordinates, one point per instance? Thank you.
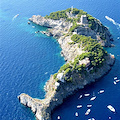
(93, 23)
(57, 15)
(94, 51)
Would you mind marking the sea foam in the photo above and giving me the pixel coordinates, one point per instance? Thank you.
(113, 21)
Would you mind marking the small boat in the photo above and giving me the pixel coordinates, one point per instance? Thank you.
(87, 112)
(79, 106)
(117, 81)
(93, 98)
(87, 94)
(109, 118)
(76, 114)
(114, 82)
(91, 119)
(111, 108)
(101, 91)
(33, 26)
(58, 117)
(115, 78)
(89, 106)
(80, 96)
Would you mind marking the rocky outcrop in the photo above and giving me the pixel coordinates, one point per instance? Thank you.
(61, 27)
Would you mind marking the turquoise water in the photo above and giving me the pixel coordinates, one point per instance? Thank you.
(27, 59)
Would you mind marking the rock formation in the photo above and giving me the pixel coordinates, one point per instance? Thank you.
(57, 91)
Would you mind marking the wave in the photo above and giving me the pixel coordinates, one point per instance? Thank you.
(113, 21)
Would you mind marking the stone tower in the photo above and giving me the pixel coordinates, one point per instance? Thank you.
(83, 19)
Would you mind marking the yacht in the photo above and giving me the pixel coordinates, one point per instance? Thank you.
(93, 98)
(101, 91)
(76, 114)
(89, 106)
(79, 106)
(111, 108)
(87, 94)
(87, 112)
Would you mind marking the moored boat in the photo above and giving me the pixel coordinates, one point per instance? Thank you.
(93, 98)
(87, 94)
(76, 114)
(111, 108)
(87, 112)
(58, 117)
(101, 91)
(79, 106)
(89, 106)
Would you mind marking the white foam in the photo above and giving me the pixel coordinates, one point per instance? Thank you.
(113, 21)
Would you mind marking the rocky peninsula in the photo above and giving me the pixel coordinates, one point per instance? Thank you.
(81, 38)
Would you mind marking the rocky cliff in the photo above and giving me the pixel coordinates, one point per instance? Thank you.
(57, 91)
(55, 95)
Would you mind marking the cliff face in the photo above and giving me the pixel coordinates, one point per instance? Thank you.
(56, 94)
(61, 27)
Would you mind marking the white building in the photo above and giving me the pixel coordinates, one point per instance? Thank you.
(83, 19)
(60, 77)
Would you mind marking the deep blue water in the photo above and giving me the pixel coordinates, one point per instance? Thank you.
(27, 59)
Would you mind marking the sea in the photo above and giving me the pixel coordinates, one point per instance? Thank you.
(27, 60)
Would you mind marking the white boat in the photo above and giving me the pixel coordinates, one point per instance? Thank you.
(115, 78)
(87, 112)
(101, 91)
(89, 106)
(111, 108)
(93, 98)
(80, 96)
(76, 114)
(79, 106)
(117, 81)
(114, 83)
(91, 119)
(87, 94)
(58, 117)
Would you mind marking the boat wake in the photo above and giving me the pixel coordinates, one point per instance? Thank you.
(113, 21)
(15, 17)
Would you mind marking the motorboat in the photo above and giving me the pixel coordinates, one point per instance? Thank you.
(93, 98)
(87, 112)
(89, 106)
(115, 78)
(79, 106)
(114, 82)
(117, 81)
(80, 96)
(76, 114)
(87, 94)
(111, 108)
(58, 117)
(101, 91)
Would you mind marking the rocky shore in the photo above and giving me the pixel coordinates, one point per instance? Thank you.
(57, 91)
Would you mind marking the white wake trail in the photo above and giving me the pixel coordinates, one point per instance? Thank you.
(113, 21)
